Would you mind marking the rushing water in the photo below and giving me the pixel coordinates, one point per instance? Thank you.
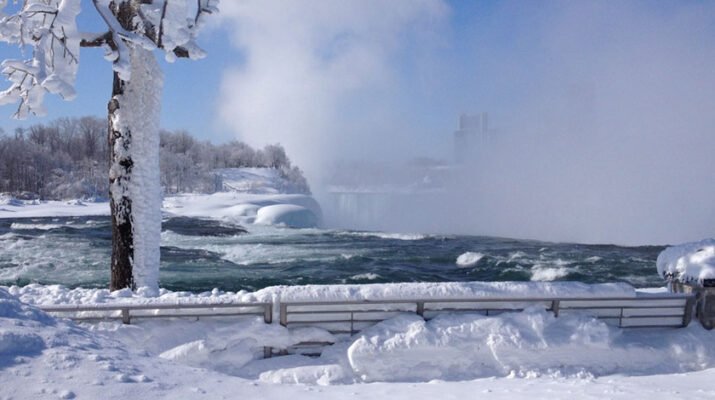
(199, 255)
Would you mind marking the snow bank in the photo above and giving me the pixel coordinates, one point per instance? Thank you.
(46, 358)
(688, 262)
(435, 290)
(289, 215)
(13, 208)
(238, 208)
(18, 326)
(40, 357)
(533, 342)
(295, 210)
(57, 294)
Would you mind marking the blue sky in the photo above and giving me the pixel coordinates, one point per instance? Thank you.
(474, 39)
(189, 91)
(191, 87)
(477, 56)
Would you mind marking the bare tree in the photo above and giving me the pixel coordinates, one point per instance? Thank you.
(135, 29)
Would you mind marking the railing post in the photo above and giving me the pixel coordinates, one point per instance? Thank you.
(620, 319)
(283, 313)
(688, 314)
(555, 307)
(268, 313)
(352, 325)
(125, 316)
(421, 308)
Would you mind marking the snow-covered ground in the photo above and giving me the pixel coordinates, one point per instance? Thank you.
(454, 356)
(251, 196)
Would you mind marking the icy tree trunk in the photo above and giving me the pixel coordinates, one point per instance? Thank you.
(135, 190)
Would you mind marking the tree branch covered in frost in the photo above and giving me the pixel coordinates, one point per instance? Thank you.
(49, 29)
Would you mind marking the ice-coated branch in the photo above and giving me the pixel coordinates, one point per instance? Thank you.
(178, 25)
(49, 28)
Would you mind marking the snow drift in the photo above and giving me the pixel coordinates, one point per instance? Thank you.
(688, 262)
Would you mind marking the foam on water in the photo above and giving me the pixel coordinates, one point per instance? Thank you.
(389, 236)
(469, 259)
(42, 227)
(367, 276)
(540, 273)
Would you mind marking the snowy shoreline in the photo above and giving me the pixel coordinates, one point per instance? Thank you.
(514, 355)
(249, 196)
(294, 210)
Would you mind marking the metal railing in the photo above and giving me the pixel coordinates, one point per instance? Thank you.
(349, 317)
(127, 312)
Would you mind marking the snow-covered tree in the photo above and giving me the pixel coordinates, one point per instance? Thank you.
(134, 30)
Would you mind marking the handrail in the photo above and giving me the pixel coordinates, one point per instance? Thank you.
(420, 306)
(485, 299)
(557, 305)
(266, 310)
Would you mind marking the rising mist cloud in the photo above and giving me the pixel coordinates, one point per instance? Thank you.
(603, 109)
(319, 76)
(610, 136)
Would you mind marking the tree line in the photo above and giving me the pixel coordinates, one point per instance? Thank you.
(68, 159)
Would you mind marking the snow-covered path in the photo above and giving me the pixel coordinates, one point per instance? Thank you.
(38, 380)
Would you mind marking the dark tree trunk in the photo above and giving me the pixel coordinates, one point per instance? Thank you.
(120, 203)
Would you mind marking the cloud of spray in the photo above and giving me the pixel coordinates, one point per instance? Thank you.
(319, 75)
(611, 139)
(604, 109)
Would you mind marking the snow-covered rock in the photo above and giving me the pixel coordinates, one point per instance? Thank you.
(293, 210)
(688, 262)
(290, 215)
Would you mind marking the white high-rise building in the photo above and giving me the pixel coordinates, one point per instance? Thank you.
(473, 133)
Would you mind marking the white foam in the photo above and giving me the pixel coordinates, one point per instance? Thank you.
(516, 256)
(541, 273)
(469, 259)
(26, 226)
(388, 236)
(366, 276)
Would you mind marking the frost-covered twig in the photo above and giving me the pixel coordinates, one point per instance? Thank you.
(49, 28)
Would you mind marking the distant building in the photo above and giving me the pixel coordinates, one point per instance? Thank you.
(473, 133)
